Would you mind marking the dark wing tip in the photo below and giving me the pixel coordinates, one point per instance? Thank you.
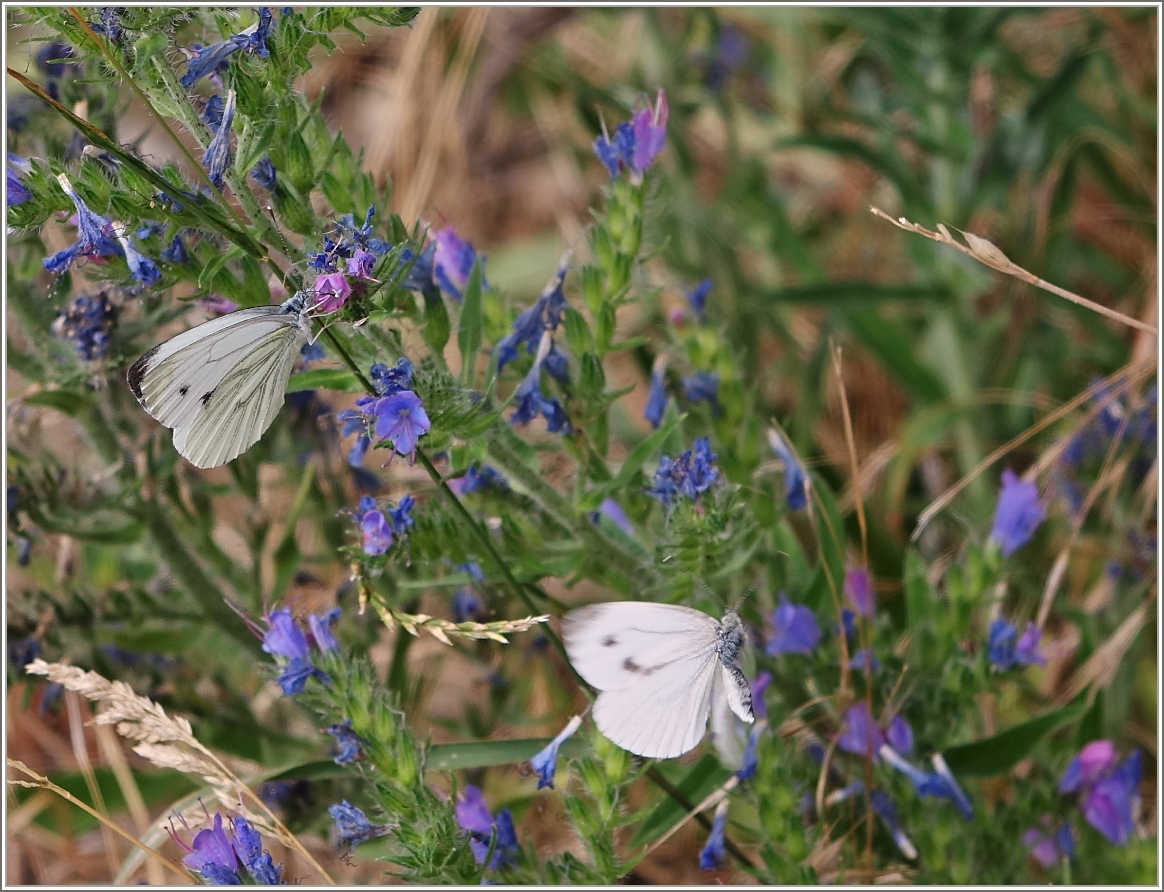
(137, 372)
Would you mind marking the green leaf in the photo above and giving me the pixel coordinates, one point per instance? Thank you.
(436, 329)
(287, 557)
(860, 294)
(889, 343)
(644, 450)
(921, 606)
(705, 776)
(485, 753)
(68, 401)
(1001, 752)
(325, 379)
(469, 329)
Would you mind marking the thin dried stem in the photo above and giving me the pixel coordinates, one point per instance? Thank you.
(987, 253)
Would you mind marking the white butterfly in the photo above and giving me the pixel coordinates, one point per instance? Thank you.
(221, 384)
(660, 669)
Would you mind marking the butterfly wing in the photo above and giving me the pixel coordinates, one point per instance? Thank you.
(666, 714)
(655, 665)
(728, 733)
(220, 384)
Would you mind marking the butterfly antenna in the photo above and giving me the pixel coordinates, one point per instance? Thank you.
(707, 590)
(279, 232)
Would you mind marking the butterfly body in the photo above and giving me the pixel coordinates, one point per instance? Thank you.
(220, 385)
(660, 669)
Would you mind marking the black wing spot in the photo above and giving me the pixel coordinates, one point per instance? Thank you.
(206, 397)
(609, 641)
(631, 666)
(138, 369)
(184, 389)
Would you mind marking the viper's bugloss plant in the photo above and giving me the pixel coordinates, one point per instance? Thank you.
(358, 657)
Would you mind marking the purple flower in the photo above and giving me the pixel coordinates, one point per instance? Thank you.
(347, 741)
(477, 478)
(94, 233)
(1108, 792)
(401, 515)
(213, 856)
(545, 761)
(697, 297)
(795, 630)
(402, 419)
(712, 854)
(1002, 651)
(759, 685)
(611, 510)
(320, 625)
(87, 323)
(465, 605)
(353, 826)
(750, 761)
(1018, 514)
(795, 480)
(1094, 760)
(332, 291)
(1049, 848)
(284, 638)
(473, 815)
(377, 533)
(1108, 808)
(650, 132)
(217, 158)
(15, 190)
(359, 265)
(859, 732)
(388, 381)
(453, 262)
(656, 404)
(899, 735)
(702, 387)
(859, 591)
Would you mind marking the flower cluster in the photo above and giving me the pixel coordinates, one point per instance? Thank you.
(531, 402)
(351, 254)
(1107, 792)
(636, 143)
(474, 817)
(378, 527)
(353, 826)
(544, 316)
(14, 189)
(702, 387)
(214, 59)
(1004, 652)
(690, 474)
(284, 638)
(217, 857)
(394, 414)
(87, 322)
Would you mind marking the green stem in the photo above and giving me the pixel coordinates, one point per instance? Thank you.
(656, 777)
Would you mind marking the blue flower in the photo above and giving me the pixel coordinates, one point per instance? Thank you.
(264, 172)
(217, 158)
(545, 761)
(697, 297)
(1108, 792)
(108, 24)
(795, 630)
(656, 404)
(864, 661)
(176, 252)
(248, 846)
(759, 685)
(401, 515)
(611, 510)
(531, 402)
(478, 478)
(347, 741)
(884, 808)
(24, 651)
(94, 232)
(731, 49)
(285, 639)
(420, 269)
(401, 418)
(465, 605)
(939, 783)
(1002, 651)
(213, 856)
(211, 114)
(473, 816)
(353, 825)
(712, 854)
(389, 381)
(1018, 514)
(377, 533)
(702, 386)
(214, 59)
(15, 190)
(795, 480)
(859, 732)
(750, 761)
(453, 262)
(141, 268)
(690, 474)
(544, 315)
